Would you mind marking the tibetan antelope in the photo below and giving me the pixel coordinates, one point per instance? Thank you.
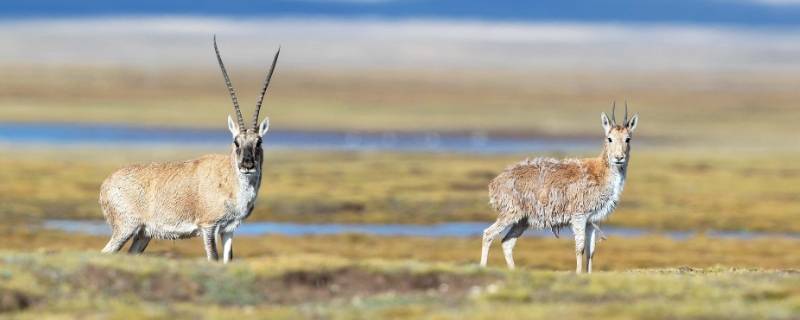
(549, 193)
(209, 196)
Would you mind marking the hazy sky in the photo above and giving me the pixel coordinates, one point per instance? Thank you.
(156, 42)
(502, 34)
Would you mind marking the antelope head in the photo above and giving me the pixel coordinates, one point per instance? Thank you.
(618, 137)
(246, 147)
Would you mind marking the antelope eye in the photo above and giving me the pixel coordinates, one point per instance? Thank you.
(609, 139)
(627, 140)
(236, 143)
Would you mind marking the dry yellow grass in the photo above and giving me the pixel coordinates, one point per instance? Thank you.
(670, 189)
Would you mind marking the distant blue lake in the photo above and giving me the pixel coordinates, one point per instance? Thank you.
(111, 135)
(453, 229)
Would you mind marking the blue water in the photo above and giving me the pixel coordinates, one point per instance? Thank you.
(699, 12)
(454, 229)
(115, 136)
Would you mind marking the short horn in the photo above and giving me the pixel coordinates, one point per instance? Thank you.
(626, 113)
(232, 92)
(264, 88)
(614, 112)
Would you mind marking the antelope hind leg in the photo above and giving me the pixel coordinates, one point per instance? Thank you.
(510, 240)
(488, 236)
(118, 239)
(140, 242)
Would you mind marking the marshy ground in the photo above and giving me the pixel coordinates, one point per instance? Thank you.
(46, 273)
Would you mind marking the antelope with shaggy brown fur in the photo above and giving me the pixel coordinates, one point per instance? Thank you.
(549, 193)
(209, 196)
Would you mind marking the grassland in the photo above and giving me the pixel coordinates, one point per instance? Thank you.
(50, 274)
(666, 190)
(75, 284)
(616, 254)
(728, 161)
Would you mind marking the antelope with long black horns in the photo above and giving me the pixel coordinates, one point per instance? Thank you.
(546, 193)
(208, 196)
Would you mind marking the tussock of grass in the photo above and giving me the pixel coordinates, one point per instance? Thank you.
(107, 286)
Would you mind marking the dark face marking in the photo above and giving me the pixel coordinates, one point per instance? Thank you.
(248, 151)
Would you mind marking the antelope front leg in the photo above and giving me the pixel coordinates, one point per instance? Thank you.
(210, 244)
(227, 246)
(591, 242)
(579, 230)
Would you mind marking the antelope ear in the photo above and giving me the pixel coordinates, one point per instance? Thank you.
(606, 123)
(233, 127)
(263, 127)
(631, 125)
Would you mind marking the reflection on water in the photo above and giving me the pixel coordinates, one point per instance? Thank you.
(454, 229)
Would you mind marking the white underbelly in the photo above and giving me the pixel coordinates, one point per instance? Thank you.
(172, 231)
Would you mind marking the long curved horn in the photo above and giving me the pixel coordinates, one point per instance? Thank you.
(614, 112)
(230, 87)
(264, 88)
(626, 113)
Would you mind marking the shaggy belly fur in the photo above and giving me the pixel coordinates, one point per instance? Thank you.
(552, 193)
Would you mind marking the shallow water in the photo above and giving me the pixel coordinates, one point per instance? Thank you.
(453, 229)
(93, 134)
